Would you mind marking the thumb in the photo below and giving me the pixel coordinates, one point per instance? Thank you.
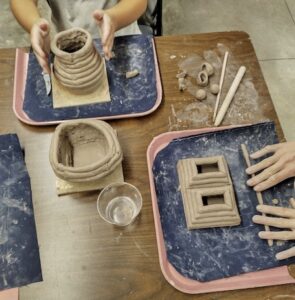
(98, 15)
(44, 27)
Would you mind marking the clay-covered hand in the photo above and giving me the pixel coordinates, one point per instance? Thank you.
(40, 40)
(107, 28)
(274, 169)
(285, 218)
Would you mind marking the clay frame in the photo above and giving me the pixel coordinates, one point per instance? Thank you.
(196, 185)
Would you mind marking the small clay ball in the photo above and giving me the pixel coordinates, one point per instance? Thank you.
(201, 94)
(275, 201)
(214, 88)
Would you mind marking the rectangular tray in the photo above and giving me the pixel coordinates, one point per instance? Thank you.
(273, 276)
(115, 70)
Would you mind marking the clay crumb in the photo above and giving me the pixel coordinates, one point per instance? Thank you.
(181, 84)
(131, 74)
(275, 201)
(181, 74)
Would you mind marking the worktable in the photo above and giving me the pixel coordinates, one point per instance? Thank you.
(82, 256)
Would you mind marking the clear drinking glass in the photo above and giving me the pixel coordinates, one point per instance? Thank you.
(119, 203)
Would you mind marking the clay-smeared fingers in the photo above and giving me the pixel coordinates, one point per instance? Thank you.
(277, 211)
(275, 222)
(266, 150)
(286, 254)
(277, 235)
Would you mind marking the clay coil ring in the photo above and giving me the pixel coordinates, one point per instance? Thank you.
(67, 39)
(202, 78)
(208, 68)
(80, 80)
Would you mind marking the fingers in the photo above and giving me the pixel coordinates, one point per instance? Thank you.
(272, 180)
(44, 28)
(108, 47)
(44, 64)
(40, 43)
(292, 202)
(261, 165)
(264, 151)
(107, 30)
(277, 235)
(98, 16)
(268, 173)
(275, 222)
(286, 254)
(276, 211)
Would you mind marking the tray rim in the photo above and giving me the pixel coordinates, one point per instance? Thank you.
(20, 75)
(269, 277)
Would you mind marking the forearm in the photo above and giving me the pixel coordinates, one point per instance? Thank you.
(25, 12)
(126, 12)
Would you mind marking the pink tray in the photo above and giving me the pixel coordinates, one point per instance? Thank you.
(20, 76)
(11, 294)
(274, 276)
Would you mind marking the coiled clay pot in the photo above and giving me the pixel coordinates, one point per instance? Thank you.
(77, 65)
(84, 150)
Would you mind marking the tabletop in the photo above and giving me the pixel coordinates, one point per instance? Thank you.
(83, 257)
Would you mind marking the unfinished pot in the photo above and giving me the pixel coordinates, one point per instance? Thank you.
(84, 150)
(77, 65)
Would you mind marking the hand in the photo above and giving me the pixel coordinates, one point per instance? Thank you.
(276, 168)
(107, 31)
(40, 40)
(286, 220)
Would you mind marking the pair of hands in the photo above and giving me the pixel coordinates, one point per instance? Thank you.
(40, 38)
(274, 169)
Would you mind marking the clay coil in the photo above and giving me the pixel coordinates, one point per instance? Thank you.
(71, 135)
(77, 65)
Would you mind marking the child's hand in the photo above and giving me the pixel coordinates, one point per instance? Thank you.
(107, 30)
(40, 40)
(285, 219)
(274, 169)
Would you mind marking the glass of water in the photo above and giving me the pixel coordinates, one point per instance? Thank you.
(119, 203)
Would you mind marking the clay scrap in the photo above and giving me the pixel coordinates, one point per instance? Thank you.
(131, 74)
(207, 193)
(85, 152)
(78, 73)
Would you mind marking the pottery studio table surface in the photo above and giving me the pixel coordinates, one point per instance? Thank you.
(82, 256)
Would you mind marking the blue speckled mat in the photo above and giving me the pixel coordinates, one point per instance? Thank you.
(19, 252)
(209, 254)
(128, 96)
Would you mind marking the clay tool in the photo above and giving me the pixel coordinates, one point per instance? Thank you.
(258, 194)
(220, 84)
(230, 95)
(47, 81)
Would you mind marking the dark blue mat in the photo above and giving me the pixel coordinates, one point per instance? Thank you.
(129, 96)
(208, 254)
(19, 252)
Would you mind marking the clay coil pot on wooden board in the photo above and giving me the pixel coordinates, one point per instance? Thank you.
(84, 150)
(77, 65)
